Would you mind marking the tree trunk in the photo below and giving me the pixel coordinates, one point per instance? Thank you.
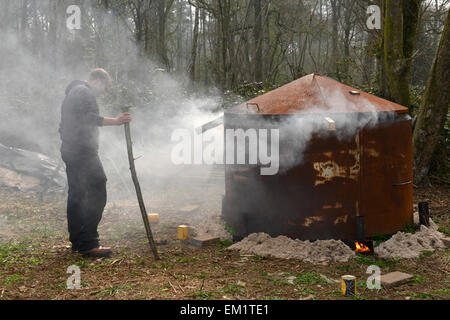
(142, 31)
(400, 35)
(163, 10)
(36, 38)
(205, 57)
(319, 51)
(381, 65)
(347, 29)
(5, 23)
(257, 33)
(180, 35)
(24, 17)
(52, 31)
(194, 46)
(432, 114)
(336, 8)
(223, 21)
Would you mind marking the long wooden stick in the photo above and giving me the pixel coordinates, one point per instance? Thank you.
(138, 188)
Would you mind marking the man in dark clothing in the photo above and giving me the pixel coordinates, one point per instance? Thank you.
(86, 178)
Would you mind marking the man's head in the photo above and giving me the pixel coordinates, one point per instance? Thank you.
(99, 80)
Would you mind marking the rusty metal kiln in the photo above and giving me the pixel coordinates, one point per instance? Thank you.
(368, 174)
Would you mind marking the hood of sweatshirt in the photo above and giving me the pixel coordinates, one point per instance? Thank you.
(73, 84)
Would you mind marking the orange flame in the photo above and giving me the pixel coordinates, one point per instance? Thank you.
(360, 247)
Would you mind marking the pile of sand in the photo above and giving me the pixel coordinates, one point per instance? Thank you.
(212, 226)
(401, 245)
(262, 244)
(407, 245)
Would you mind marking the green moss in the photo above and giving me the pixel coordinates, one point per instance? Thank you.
(203, 295)
(231, 230)
(114, 290)
(233, 288)
(409, 228)
(13, 279)
(199, 275)
(419, 279)
(186, 259)
(225, 243)
(273, 298)
(379, 238)
(309, 278)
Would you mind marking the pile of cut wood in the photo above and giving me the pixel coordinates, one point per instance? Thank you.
(30, 171)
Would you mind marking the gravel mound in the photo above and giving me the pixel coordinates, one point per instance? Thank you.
(262, 244)
(407, 245)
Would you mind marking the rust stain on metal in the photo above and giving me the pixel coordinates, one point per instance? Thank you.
(372, 152)
(336, 206)
(327, 171)
(239, 177)
(355, 169)
(342, 219)
(310, 220)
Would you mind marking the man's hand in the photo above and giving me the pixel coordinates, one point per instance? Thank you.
(123, 118)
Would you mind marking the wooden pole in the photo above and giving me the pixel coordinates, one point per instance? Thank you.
(424, 214)
(137, 187)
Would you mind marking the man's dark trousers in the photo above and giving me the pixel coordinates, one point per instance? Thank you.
(86, 200)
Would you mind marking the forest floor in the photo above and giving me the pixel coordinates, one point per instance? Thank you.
(35, 255)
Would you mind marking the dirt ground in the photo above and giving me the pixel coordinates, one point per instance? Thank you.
(35, 254)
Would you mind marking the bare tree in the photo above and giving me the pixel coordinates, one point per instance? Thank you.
(435, 107)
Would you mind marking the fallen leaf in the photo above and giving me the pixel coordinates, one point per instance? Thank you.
(241, 283)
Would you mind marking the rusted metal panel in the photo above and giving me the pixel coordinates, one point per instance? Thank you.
(313, 200)
(316, 93)
(387, 179)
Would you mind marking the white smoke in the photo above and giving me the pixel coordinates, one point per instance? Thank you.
(338, 117)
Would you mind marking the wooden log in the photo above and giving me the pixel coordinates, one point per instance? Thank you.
(204, 241)
(424, 214)
(138, 188)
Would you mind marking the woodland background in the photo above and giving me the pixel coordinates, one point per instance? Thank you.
(235, 49)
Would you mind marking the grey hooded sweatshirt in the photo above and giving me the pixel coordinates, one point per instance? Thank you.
(80, 120)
